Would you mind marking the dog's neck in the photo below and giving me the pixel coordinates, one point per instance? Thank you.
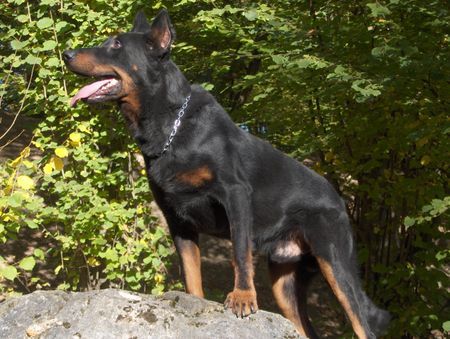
(158, 108)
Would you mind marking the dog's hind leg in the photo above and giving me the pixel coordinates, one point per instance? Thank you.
(289, 285)
(337, 261)
(344, 290)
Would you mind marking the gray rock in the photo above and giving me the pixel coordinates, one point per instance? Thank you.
(121, 314)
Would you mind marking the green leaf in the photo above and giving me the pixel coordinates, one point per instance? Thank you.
(378, 51)
(378, 10)
(251, 14)
(15, 200)
(111, 254)
(441, 255)
(38, 253)
(9, 272)
(363, 93)
(48, 45)
(340, 73)
(446, 326)
(43, 72)
(52, 62)
(279, 59)
(147, 260)
(63, 287)
(49, 2)
(16, 44)
(408, 222)
(27, 263)
(33, 60)
(58, 268)
(44, 23)
(60, 25)
(158, 290)
(303, 63)
(207, 86)
(22, 18)
(259, 96)
(31, 224)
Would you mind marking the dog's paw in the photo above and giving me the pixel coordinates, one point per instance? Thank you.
(242, 302)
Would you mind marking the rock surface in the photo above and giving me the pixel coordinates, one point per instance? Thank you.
(121, 314)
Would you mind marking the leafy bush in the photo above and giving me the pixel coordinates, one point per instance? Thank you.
(84, 193)
(418, 290)
(101, 237)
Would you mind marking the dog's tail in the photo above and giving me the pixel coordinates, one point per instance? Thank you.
(377, 318)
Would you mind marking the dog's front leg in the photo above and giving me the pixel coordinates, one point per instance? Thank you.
(242, 300)
(186, 243)
(189, 253)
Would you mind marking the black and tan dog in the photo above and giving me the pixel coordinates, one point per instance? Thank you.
(209, 176)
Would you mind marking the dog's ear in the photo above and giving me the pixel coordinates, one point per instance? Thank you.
(162, 32)
(140, 24)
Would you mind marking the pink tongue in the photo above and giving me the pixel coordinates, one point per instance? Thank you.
(88, 90)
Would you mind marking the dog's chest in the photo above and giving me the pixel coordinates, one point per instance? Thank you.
(202, 212)
(189, 202)
(185, 189)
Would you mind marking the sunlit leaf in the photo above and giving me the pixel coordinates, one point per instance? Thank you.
(378, 10)
(61, 152)
(425, 160)
(48, 45)
(25, 182)
(33, 60)
(27, 263)
(44, 23)
(48, 168)
(22, 18)
(251, 14)
(75, 137)
(16, 44)
(408, 222)
(16, 161)
(9, 272)
(446, 326)
(58, 164)
(38, 253)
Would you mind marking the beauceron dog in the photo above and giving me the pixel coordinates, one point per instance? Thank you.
(209, 176)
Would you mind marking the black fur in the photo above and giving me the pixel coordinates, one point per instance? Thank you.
(217, 179)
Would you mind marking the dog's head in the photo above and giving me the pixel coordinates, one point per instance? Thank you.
(124, 62)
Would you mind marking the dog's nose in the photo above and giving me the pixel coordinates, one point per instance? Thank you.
(68, 55)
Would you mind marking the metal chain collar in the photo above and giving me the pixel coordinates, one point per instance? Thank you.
(176, 124)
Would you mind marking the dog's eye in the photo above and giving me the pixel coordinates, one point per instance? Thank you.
(116, 44)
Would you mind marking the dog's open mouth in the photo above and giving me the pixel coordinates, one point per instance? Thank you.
(99, 91)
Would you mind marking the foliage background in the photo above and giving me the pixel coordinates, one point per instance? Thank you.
(359, 88)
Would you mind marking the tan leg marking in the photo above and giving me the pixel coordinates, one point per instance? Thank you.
(243, 302)
(280, 274)
(327, 271)
(191, 261)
